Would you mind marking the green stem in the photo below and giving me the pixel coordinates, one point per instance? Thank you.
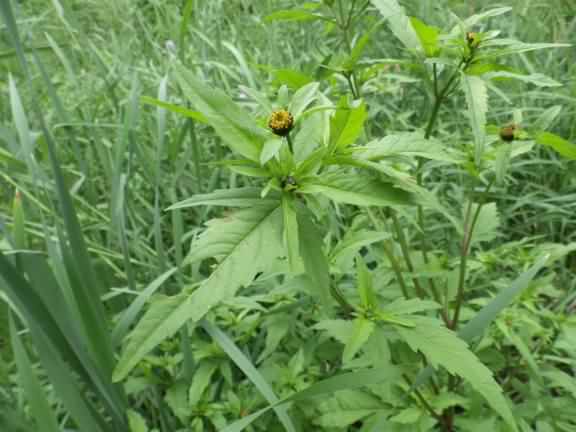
(290, 146)
(406, 253)
(469, 226)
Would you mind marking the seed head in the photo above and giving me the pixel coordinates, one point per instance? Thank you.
(472, 39)
(508, 133)
(281, 122)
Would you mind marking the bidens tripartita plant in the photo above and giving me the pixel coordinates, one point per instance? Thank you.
(397, 304)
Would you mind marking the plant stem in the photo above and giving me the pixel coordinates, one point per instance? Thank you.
(406, 253)
(469, 226)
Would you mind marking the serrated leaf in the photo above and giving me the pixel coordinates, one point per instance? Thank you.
(340, 330)
(398, 22)
(136, 422)
(477, 99)
(347, 124)
(475, 19)
(292, 15)
(538, 79)
(248, 242)
(428, 36)
(223, 235)
(248, 368)
(487, 224)
(407, 144)
(240, 197)
(357, 189)
(512, 46)
(238, 130)
(345, 381)
(361, 332)
(354, 241)
(303, 97)
(444, 348)
(315, 261)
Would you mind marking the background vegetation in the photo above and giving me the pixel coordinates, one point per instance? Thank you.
(90, 160)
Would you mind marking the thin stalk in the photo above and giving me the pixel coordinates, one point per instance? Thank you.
(423, 401)
(389, 252)
(469, 226)
(406, 254)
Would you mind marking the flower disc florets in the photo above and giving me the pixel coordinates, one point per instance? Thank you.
(508, 133)
(281, 122)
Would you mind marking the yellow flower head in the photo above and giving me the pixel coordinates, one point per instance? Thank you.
(281, 122)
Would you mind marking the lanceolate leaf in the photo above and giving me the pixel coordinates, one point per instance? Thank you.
(407, 144)
(241, 197)
(347, 124)
(444, 348)
(246, 366)
(247, 243)
(482, 320)
(315, 261)
(560, 145)
(229, 121)
(398, 22)
(345, 381)
(357, 189)
(477, 100)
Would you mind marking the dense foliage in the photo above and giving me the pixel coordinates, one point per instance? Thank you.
(268, 215)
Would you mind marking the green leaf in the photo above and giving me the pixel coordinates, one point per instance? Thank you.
(475, 19)
(361, 332)
(560, 145)
(303, 97)
(136, 422)
(538, 79)
(240, 197)
(444, 348)
(345, 381)
(230, 122)
(246, 243)
(292, 15)
(314, 258)
(365, 285)
(194, 115)
(482, 320)
(357, 189)
(246, 366)
(428, 36)
(399, 23)
(39, 406)
(487, 224)
(352, 242)
(347, 124)
(512, 46)
(477, 99)
(406, 144)
(201, 381)
(292, 78)
(131, 312)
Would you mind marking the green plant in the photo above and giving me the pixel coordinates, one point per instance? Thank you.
(367, 258)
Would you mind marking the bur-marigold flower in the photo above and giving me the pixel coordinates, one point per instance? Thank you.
(508, 133)
(281, 122)
(472, 39)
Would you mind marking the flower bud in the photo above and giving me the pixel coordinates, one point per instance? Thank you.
(508, 133)
(472, 39)
(281, 122)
